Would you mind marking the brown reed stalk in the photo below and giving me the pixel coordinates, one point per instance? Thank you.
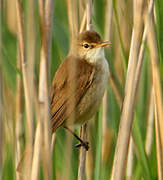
(30, 71)
(37, 143)
(83, 131)
(73, 26)
(119, 163)
(31, 65)
(1, 94)
(81, 5)
(108, 23)
(108, 19)
(137, 78)
(67, 157)
(150, 123)
(1, 124)
(37, 152)
(82, 154)
(152, 43)
(83, 22)
(72, 17)
(10, 7)
(21, 45)
(46, 12)
(53, 142)
(19, 115)
(104, 126)
(1, 106)
(121, 29)
(88, 161)
(158, 146)
(30, 41)
(142, 48)
(89, 14)
(49, 8)
(130, 160)
(1, 119)
(89, 155)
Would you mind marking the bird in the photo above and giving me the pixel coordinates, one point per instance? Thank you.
(79, 83)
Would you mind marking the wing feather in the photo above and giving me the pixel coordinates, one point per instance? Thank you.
(62, 96)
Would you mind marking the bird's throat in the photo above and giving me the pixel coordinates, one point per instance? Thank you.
(95, 55)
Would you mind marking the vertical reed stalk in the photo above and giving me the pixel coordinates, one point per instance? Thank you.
(108, 19)
(72, 17)
(137, 78)
(104, 125)
(151, 39)
(82, 156)
(73, 27)
(1, 95)
(37, 143)
(31, 64)
(158, 146)
(37, 152)
(1, 119)
(142, 48)
(67, 157)
(108, 25)
(120, 37)
(97, 174)
(19, 115)
(53, 142)
(119, 163)
(30, 42)
(21, 45)
(31, 39)
(89, 15)
(89, 155)
(46, 12)
(130, 160)
(108, 22)
(81, 5)
(83, 22)
(150, 121)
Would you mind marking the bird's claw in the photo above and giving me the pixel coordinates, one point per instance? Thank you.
(84, 144)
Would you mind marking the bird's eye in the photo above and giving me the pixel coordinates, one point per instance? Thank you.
(86, 46)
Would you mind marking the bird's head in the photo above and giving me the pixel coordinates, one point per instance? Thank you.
(88, 45)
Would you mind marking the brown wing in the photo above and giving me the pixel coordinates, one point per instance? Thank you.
(64, 97)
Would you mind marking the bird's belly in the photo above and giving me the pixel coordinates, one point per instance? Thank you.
(92, 99)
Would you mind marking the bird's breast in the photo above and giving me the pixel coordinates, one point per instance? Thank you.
(92, 99)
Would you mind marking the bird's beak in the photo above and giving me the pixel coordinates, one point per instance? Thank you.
(103, 44)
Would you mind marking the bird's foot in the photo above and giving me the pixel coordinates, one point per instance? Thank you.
(85, 144)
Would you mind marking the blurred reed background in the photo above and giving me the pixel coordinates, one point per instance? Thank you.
(34, 39)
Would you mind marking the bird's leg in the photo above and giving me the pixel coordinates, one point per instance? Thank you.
(82, 143)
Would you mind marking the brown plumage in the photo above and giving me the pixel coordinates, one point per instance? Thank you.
(87, 76)
(62, 104)
(89, 37)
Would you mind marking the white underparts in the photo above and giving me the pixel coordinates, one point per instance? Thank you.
(94, 55)
(97, 56)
